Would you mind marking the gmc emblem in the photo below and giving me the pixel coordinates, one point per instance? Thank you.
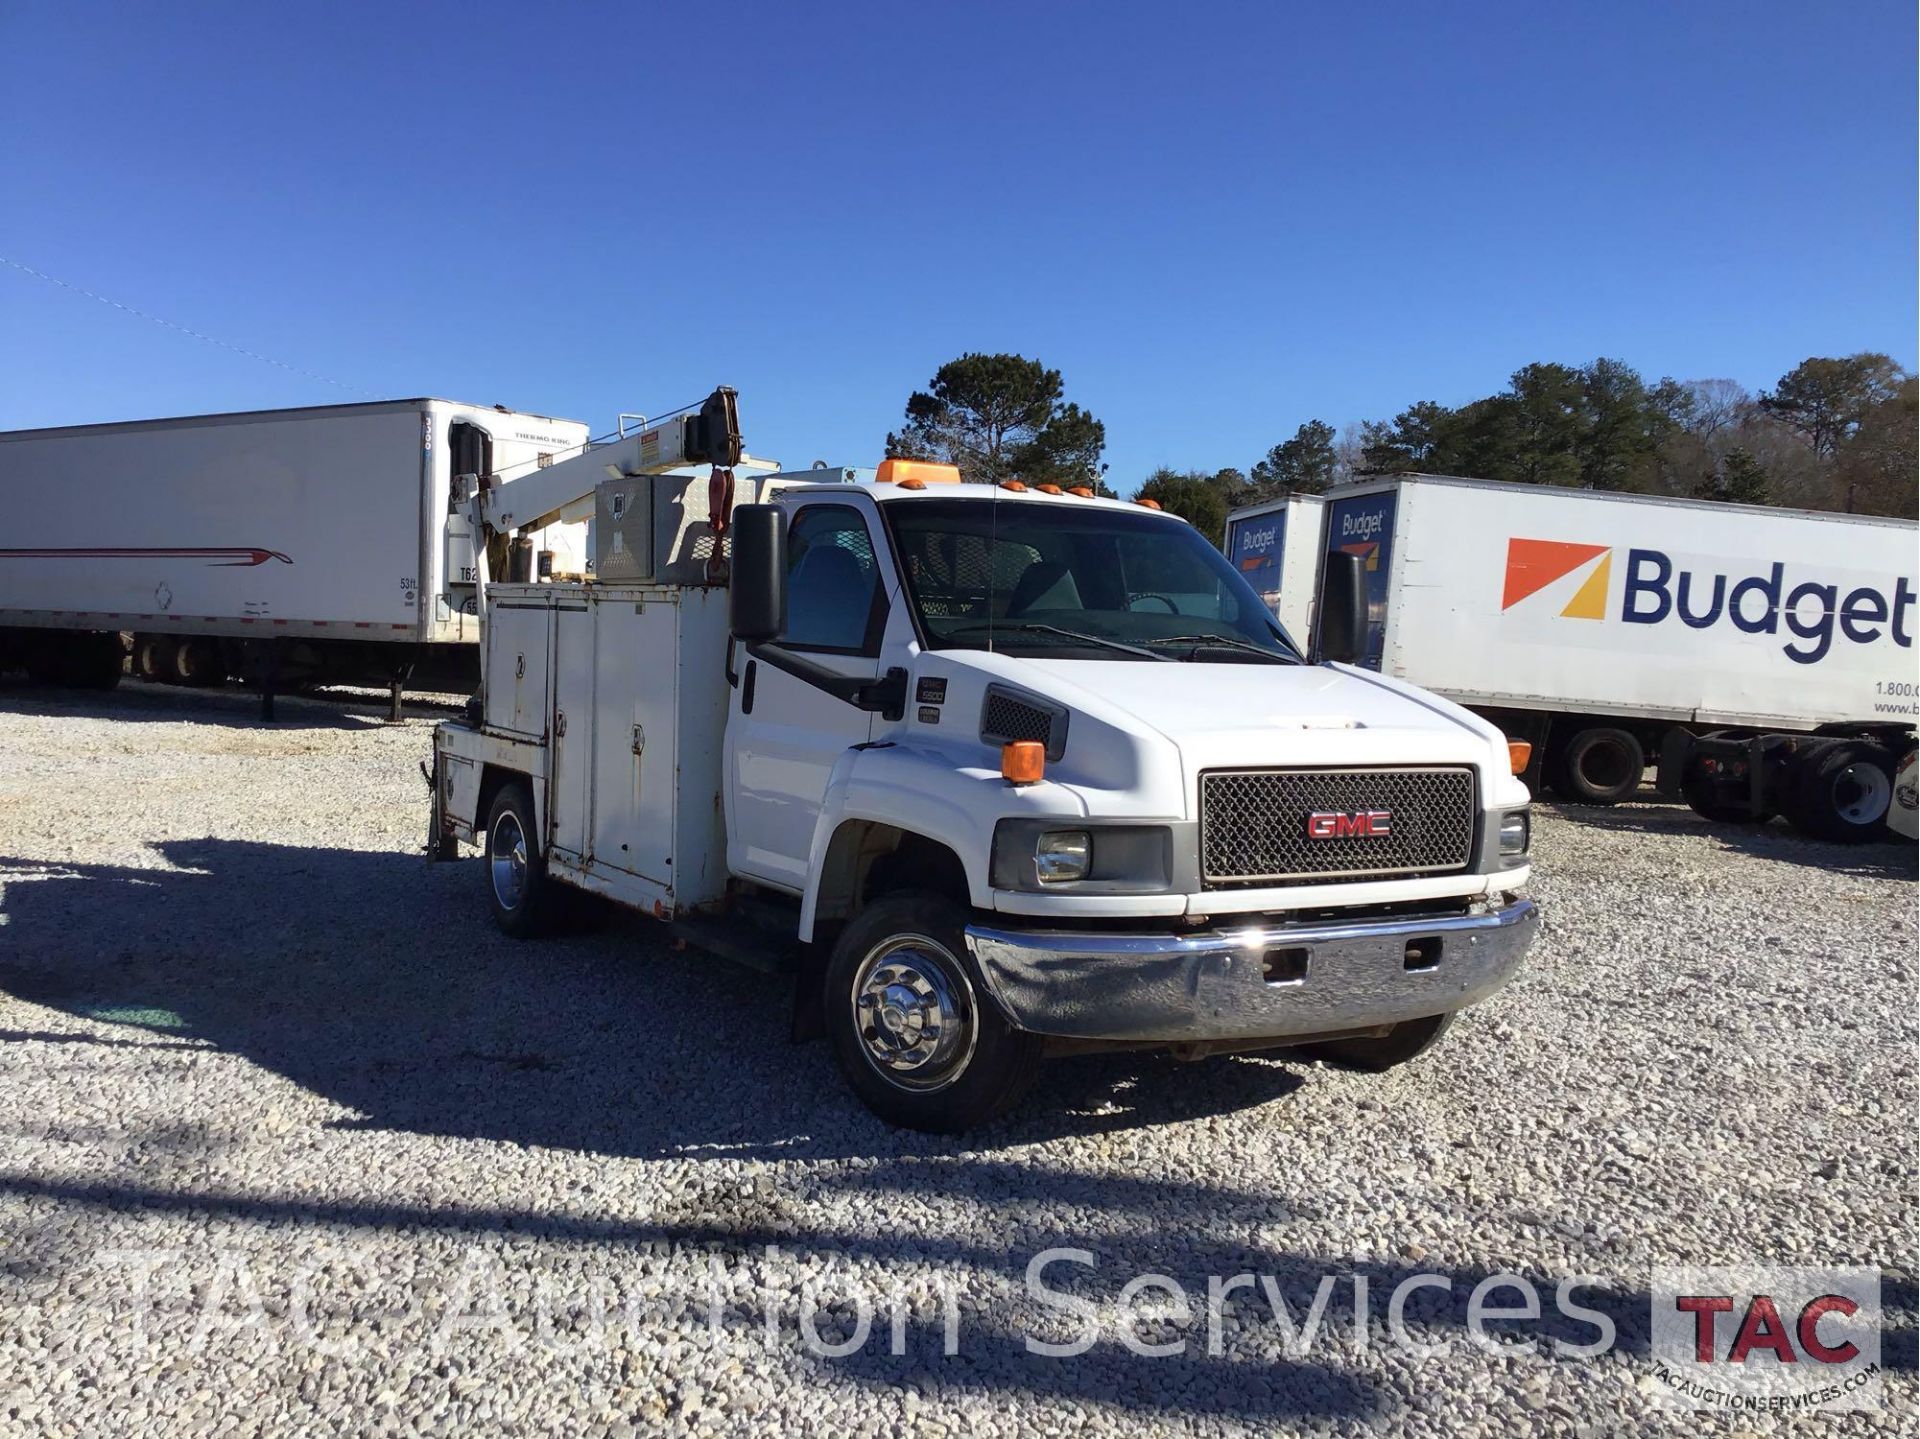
(1338, 824)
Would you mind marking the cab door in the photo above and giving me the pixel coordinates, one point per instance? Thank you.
(783, 735)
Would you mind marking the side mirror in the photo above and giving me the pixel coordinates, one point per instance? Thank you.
(757, 590)
(1343, 608)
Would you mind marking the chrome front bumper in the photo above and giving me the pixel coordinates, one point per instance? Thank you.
(1264, 981)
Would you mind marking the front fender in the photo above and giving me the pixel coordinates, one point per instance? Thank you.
(944, 796)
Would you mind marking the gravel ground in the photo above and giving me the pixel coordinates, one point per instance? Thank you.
(295, 1142)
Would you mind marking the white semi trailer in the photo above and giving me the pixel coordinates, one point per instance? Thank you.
(288, 545)
(1763, 656)
(996, 772)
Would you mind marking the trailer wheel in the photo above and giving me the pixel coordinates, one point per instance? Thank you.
(1599, 766)
(912, 1027)
(523, 897)
(153, 658)
(1406, 1040)
(79, 660)
(1841, 791)
(93, 660)
(197, 663)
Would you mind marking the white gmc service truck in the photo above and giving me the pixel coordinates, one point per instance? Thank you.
(997, 771)
(1764, 656)
(304, 544)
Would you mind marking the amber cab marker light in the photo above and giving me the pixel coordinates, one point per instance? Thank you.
(1048, 489)
(1150, 504)
(929, 472)
(1519, 753)
(1023, 761)
(1013, 484)
(1082, 491)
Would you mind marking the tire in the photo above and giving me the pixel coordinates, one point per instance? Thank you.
(96, 661)
(915, 1033)
(153, 658)
(199, 664)
(1841, 792)
(78, 660)
(1406, 1040)
(1600, 766)
(525, 900)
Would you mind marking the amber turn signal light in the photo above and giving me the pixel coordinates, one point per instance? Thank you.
(1519, 754)
(1023, 761)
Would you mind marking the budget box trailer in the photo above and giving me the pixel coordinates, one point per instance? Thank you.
(299, 545)
(1763, 656)
(991, 773)
(1268, 540)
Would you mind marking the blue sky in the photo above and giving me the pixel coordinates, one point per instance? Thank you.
(1217, 220)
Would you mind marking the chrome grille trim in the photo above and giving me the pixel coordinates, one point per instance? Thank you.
(1253, 823)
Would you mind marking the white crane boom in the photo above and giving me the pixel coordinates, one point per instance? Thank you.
(536, 498)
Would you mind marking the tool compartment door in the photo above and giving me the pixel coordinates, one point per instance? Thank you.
(570, 752)
(518, 640)
(634, 708)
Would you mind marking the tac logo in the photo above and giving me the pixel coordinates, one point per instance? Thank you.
(1767, 1338)
(1532, 565)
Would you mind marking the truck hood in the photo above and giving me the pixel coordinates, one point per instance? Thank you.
(1253, 714)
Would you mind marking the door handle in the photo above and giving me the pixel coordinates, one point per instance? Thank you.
(746, 687)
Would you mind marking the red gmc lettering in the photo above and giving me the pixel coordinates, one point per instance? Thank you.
(1329, 824)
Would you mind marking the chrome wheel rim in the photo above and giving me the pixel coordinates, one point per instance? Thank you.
(913, 1009)
(1861, 793)
(507, 860)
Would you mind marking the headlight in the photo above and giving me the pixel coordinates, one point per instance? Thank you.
(1062, 854)
(1516, 832)
(1036, 855)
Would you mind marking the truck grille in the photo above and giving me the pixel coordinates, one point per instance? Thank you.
(1255, 825)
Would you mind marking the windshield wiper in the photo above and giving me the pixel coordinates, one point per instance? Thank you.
(1030, 627)
(1223, 642)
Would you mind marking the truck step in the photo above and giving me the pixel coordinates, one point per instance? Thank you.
(765, 949)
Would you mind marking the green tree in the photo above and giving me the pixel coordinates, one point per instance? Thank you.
(1410, 443)
(1740, 480)
(1193, 496)
(1303, 464)
(1877, 470)
(1824, 400)
(996, 416)
(1623, 426)
(1537, 431)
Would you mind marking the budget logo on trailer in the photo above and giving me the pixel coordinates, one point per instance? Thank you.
(1660, 588)
(1532, 565)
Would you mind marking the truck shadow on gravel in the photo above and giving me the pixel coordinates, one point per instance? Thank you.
(379, 983)
(1888, 859)
(376, 983)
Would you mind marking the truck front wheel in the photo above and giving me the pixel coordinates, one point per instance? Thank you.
(523, 896)
(912, 1027)
(1407, 1040)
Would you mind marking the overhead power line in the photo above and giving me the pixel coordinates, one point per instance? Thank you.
(184, 330)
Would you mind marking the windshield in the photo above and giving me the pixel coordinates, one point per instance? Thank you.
(1077, 581)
